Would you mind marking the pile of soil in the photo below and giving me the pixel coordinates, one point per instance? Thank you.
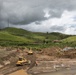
(58, 52)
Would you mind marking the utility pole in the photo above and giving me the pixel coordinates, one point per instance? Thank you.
(8, 23)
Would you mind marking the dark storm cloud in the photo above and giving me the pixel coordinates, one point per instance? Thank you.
(38, 23)
(58, 28)
(29, 18)
(23, 12)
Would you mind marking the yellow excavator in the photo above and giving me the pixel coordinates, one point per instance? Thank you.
(22, 61)
(30, 52)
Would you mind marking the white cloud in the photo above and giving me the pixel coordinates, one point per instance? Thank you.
(47, 14)
(65, 24)
(66, 18)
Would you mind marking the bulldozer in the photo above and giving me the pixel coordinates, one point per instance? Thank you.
(30, 52)
(22, 61)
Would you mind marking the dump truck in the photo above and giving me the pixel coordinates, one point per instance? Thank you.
(22, 61)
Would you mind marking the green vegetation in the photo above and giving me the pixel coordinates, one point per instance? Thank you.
(35, 40)
(70, 41)
(7, 39)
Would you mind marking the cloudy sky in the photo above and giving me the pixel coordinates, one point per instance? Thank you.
(39, 15)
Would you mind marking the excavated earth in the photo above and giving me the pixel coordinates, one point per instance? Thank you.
(48, 60)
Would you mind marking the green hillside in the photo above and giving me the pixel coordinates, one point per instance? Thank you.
(70, 39)
(9, 39)
(32, 35)
(19, 37)
(23, 33)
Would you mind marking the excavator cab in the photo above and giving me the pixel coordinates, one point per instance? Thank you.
(23, 61)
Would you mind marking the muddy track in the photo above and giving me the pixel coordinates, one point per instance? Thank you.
(12, 67)
(9, 69)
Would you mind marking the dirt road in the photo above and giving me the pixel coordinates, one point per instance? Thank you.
(71, 71)
(32, 58)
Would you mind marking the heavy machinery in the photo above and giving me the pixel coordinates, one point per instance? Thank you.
(23, 61)
(30, 52)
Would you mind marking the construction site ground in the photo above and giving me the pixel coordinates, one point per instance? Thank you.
(48, 60)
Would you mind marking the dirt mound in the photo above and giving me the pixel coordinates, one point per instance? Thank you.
(59, 53)
(53, 51)
(70, 54)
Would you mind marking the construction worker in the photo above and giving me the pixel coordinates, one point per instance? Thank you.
(36, 63)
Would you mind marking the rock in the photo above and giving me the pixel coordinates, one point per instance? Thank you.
(1, 66)
(6, 62)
